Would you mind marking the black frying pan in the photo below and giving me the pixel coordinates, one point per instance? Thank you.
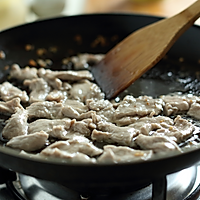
(162, 79)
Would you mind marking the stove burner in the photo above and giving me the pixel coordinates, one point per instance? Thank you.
(183, 185)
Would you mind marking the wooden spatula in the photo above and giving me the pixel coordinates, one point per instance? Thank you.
(141, 50)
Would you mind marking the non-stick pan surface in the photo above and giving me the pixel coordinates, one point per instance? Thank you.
(97, 34)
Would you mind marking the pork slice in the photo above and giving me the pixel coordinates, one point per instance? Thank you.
(121, 154)
(57, 95)
(104, 108)
(55, 83)
(125, 121)
(39, 89)
(8, 92)
(110, 133)
(64, 156)
(31, 142)
(48, 124)
(16, 125)
(81, 61)
(84, 90)
(141, 106)
(147, 124)
(70, 75)
(73, 109)
(156, 143)
(175, 104)
(194, 111)
(74, 146)
(23, 73)
(45, 109)
(10, 107)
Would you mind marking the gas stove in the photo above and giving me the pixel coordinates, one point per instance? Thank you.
(182, 185)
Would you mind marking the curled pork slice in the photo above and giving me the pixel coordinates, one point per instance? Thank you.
(10, 107)
(156, 143)
(45, 109)
(175, 104)
(194, 111)
(69, 75)
(74, 146)
(73, 109)
(16, 125)
(104, 108)
(84, 90)
(31, 142)
(48, 124)
(110, 133)
(8, 92)
(141, 106)
(23, 73)
(147, 124)
(121, 154)
(81, 61)
(39, 89)
(181, 130)
(55, 83)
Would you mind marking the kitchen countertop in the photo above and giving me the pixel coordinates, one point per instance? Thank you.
(164, 8)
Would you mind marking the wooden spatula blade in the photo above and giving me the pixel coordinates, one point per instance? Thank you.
(140, 51)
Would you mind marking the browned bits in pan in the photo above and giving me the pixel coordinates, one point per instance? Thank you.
(2, 55)
(32, 63)
(100, 40)
(78, 39)
(41, 51)
(53, 49)
(29, 47)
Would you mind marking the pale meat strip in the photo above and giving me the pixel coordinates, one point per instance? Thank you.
(147, 124)
(104, 108)
(121, 154)
(10, 107)
(46, 109)
(84, 90)
(194, 111)
(141, 106)
(53, 82)
(110, 133)
(175, 104)
(179, 132)
(156, 143)
(31, 142)
(39, 89)
(8, 92)
(16, 125)
(23, 73)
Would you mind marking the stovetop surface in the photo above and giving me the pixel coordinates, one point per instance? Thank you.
(179, 186)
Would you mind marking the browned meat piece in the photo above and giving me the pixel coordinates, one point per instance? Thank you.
(31, 142)
(141, 106)
(10, 107)
(45, 109)
(156, 143)
(175, 104)
(8, 92)
(22, 74)
(103, 108)
(121, 154)
(110, 133)
(16, 125)
(194, 111)
(84, 90)
(39, 89)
